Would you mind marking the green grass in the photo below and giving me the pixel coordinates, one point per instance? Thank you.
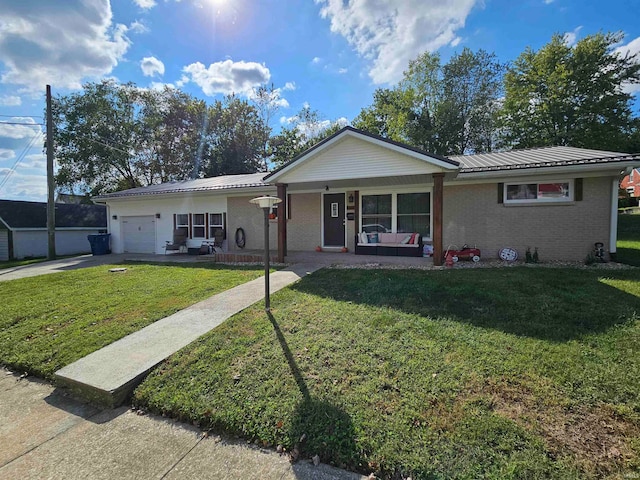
(628, 245)
(49, 321)
(483, 373)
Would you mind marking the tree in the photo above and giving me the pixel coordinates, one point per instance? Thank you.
(305, 130)
(446, 109)
(235, 138)
(94, 135)
(563, 95)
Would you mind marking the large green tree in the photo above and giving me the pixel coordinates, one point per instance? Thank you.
(446, 109)
(111, 137)
(570, 95)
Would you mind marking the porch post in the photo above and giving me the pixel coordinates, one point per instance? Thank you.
(437, 218)
(282, 222)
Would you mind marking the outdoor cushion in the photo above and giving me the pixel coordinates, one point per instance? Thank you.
(388, 238)
(373, 238)
(406, 240)
(364, 238)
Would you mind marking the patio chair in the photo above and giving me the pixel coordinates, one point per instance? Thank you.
(218, 239)
(179, 242)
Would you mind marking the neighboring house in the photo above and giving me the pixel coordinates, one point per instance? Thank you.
(23, 228)
(559, 199)
(631, 183)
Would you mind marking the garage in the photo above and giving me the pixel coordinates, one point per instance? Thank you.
(139, 234)
(4, 245)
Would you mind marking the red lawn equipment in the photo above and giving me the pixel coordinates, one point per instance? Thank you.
(465, 253)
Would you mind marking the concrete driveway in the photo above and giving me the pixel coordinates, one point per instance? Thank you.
(45, 434)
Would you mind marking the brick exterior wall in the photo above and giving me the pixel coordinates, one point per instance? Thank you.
(242, 214)
(303, 229)
(473, 215)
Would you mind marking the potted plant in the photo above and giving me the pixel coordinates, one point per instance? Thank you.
(318, 248)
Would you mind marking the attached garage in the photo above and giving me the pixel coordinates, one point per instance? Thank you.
(139, 234)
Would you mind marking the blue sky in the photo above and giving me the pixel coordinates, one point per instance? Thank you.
(329, 54)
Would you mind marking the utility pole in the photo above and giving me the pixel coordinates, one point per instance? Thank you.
(51, 206)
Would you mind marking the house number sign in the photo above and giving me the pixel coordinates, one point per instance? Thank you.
(334, 210)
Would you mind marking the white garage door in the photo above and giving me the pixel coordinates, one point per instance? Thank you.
(139, 234)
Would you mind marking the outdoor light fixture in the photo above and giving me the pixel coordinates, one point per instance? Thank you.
(115, 217)
(351, 198)
(266, 203)
(157, 215)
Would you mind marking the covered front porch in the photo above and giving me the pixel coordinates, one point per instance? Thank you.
(355, 183)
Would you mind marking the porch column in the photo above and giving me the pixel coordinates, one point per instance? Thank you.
(282, 222)
(437, 218)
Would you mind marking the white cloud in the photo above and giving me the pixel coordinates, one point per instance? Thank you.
(548, 2)
(6, 153)
(570, 38)
(18, 137)
(183, 81)
(145, 4)
(161, 85)
(342, 71)
(228, 76)
(631, 48)
(389, 33)
(316, 60)
(289, 86)
(10, 101)
(35, 161)
(151, 66)
(21, 186)
(138, 26)
(58, 43)
(455, 42)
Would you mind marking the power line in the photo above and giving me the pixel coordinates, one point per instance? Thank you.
(21, 116)
(18, 160)
(2, 122)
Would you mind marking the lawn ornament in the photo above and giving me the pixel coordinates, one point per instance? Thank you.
(508, 254)
(598, 251)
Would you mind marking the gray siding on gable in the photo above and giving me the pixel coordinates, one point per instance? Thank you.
(4, 245)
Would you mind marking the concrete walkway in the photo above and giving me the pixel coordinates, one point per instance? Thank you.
(109, 375)
(45, 434)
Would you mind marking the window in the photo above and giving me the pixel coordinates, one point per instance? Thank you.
(397, 212)
(376, 213)
(182, 222)
(198, 225)
(561, 191)
(414, 213)
(215, 223)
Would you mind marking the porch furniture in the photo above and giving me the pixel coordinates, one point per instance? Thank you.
(179, 243)
(389, 244)
(218, 239)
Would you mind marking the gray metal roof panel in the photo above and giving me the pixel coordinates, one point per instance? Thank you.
(224, 182)
(538, 157)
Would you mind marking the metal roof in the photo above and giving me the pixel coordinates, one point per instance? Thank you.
(224, 182)
(19, 214)
(538, 157)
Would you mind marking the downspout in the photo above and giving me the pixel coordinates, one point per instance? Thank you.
(613, 227)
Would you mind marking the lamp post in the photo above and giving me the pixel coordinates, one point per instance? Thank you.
(266, 203)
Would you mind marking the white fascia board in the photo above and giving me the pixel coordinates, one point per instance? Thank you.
(226, 192)
(592, 170)
(57, 229)
(423, 157)
(5, 224)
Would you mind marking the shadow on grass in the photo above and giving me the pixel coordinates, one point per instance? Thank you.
(557, 304)
(325, 429)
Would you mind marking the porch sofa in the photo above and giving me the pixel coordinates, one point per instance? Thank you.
(390, 244)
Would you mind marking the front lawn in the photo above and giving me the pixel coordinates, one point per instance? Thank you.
(628, 246)
(471, 373)
(49, 321)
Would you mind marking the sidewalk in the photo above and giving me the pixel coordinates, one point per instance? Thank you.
(45, 434)
(109, 375)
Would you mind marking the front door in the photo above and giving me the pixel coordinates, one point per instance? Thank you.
(334, 216)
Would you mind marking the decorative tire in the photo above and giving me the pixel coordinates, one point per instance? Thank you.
(455, 259)
(475, 258)
(240, 238)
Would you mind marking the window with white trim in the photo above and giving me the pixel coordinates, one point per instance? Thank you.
(396, 212)
(539, 192)
(198, 225)
(182, 222)
(215, 223)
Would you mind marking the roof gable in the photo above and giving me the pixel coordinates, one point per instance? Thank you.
(352, 154)
(18, 214)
